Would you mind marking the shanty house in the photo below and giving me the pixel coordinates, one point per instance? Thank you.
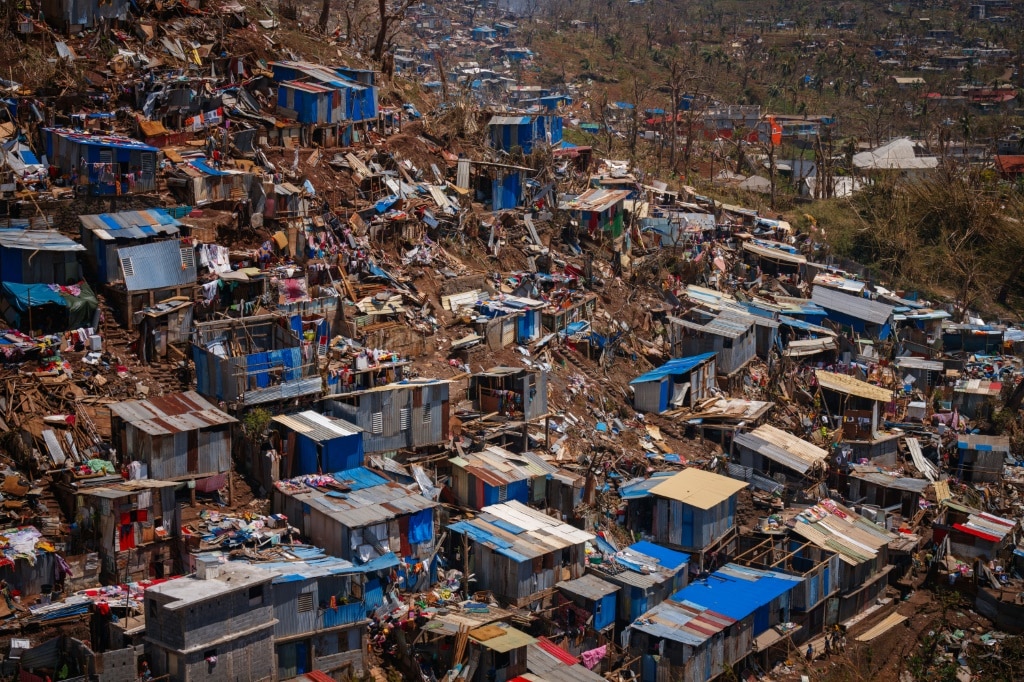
(105, 234)
(981, 458)
(974, 398)
(598, 210)
(647, 573)
(863, 548)
(130, 525)
(925, 373)
(973, 534)
(177, 437)
(310, 443)
(197, 183)
(860, 408)
(676, 640)
(517, 318)
(259, 359)
(771, 451)
(510, 391)
(693, 510)
(72, 16)
(48, 308)
(321, 605)
(38, 257)
(495, 475)
(757, 599)
(310, 103)
(482, 33)
(29, 564)
(358, 514)
(103, 164)
(412, 413)
(733, 340)
(972, 338)
(519, 553)
(884, 490)
(677, 383)
(152, 273)
(218, 623)
(862, 315)
(548, 661)
(775, 258)
(595, 598)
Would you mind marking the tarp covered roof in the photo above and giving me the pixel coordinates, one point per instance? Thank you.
(673, 367)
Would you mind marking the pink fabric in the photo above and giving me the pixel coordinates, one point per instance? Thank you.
(594, 656)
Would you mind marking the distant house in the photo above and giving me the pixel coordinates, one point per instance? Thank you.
(1009, 166)
(177, 437)
(525, 131)
(863, 548)
(219, 622)
(482, 33)
(252, 361)
(510, 391)
(692, 510)
(972, 338)
(359, 515)
(647, 574)
(413, 413)
(591, 595)
(315, 105)
(71, 16)
(151, 273)
(860, 407)
(519, 553)
(598, 210)
(677, 383)
(972, 533)
(873, 318)
(196, 182)
(511, 319)
(356, 91)
(770, 451)
(102, 164)
(104, 234)
(901, 156)
(981, 459)
(775, 258)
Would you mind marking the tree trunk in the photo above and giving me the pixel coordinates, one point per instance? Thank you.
(382, 31)
(325, 15)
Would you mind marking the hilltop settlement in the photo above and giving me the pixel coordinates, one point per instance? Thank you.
(309, 377)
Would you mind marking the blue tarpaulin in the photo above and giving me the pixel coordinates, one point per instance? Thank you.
(23, 296)
(421, 526)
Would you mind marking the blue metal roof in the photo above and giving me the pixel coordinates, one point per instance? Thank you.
(634, 490)
(668, 558)
(359, 478)
(801, 324)
(737, 591)
(131, 224)
(677, 366)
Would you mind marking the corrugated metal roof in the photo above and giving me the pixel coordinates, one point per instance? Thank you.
(37, 240)
(762, 248)
(979, 387)
(157, 265)
(842, 383)
(909, 362)
(638, 488)
(831, 526)
(503, 643)
(677, 366)
(509, 120)
(737, 591)
(131, 224)
(519, 532)
(368, 498)
(497, 466)
(854, 306)
(597, 200)
(547, 666)
(782, 447)
(667, 559)
(683, 622)
(173, 413)
(885, 480)
(698, 488)
(316, 426)
(589, 587)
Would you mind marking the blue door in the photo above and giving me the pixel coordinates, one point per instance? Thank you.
(301, 658)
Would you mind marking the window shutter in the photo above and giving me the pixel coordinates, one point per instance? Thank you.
(188, 258)
(126, 265)
(404, 418)
(305, 602)
(502, 493)
(377, 422)
(426, 414)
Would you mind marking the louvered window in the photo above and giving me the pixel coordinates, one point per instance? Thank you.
(426, 414)
(377, 423)
(188, 258)
(305, 602)
(502, 493)
(126, 265)
(404, 418)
